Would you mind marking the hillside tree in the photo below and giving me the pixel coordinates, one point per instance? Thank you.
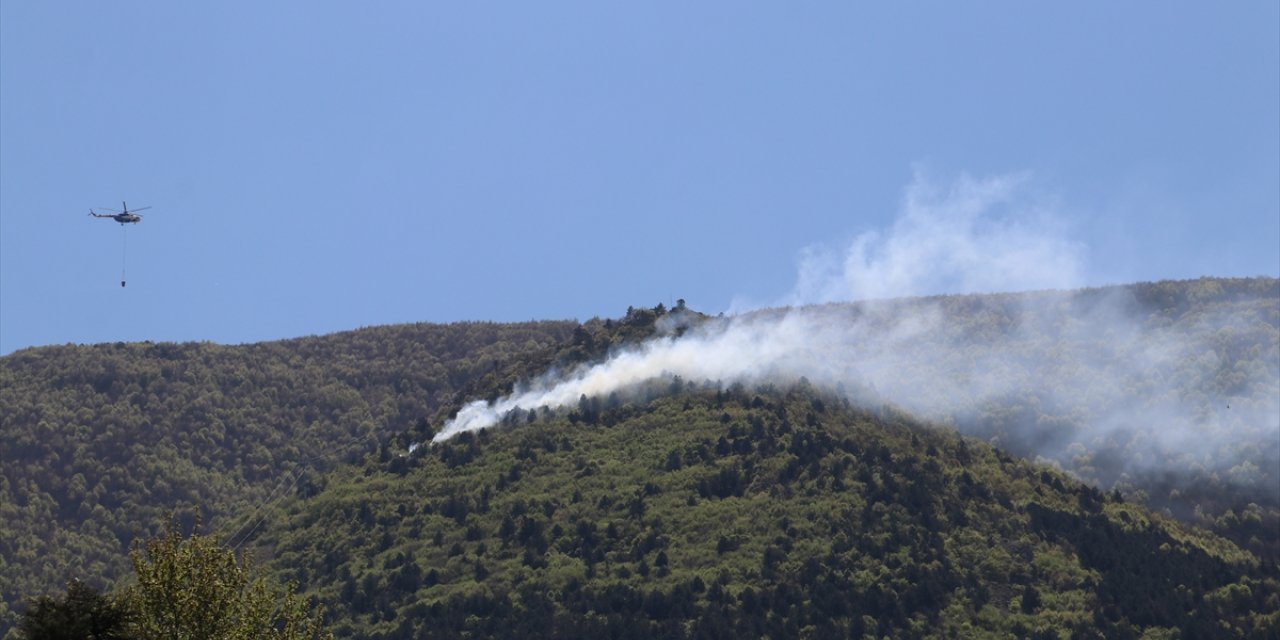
(194, 588)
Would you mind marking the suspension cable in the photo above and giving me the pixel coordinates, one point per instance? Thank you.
(124, 250)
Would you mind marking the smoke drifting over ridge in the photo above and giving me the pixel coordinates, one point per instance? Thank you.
(971, 236)
(1085, 369)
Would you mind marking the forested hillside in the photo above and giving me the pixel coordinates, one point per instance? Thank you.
(815, 500)
(746, 513)
(1168, 391)
(101, 443)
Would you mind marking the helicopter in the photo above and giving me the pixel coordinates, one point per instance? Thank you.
(124, 216)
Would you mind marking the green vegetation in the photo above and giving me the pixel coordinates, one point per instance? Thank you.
(102, 443)
(687, 509)
(194, 588)
(183, 589)
(1164, 391)
(82, 613)
(748, 513)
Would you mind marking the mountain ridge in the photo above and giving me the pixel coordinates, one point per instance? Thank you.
(234, 452)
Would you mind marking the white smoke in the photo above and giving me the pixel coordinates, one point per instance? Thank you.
(718, 355)
(970, 236)
(1093, 368)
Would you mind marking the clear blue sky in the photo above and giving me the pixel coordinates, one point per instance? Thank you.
(321, 166)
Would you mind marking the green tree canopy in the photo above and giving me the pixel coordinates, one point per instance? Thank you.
(192, 588)
(83, 614)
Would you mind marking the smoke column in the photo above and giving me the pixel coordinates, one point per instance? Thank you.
(1137, 381)
(948, 239)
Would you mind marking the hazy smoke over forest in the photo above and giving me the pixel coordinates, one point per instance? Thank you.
(1060, 374)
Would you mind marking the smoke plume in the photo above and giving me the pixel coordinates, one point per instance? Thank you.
(970, 236)
(1051, 373)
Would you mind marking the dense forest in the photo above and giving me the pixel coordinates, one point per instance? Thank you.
(766, 512)
(102, 443)
(1168, 392)
(692, 508)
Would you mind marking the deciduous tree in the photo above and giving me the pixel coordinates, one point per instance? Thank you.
(191, 588)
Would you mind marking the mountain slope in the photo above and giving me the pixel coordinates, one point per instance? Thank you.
(1167, 391)
(748, 513)
(102, 443)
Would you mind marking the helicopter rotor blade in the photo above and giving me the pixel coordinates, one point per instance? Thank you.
(140, 209)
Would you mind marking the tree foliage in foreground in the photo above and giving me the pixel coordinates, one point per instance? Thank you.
(195, 588)
(83, 614)
(186, 589)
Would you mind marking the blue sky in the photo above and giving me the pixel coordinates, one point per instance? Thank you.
(322, 166)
